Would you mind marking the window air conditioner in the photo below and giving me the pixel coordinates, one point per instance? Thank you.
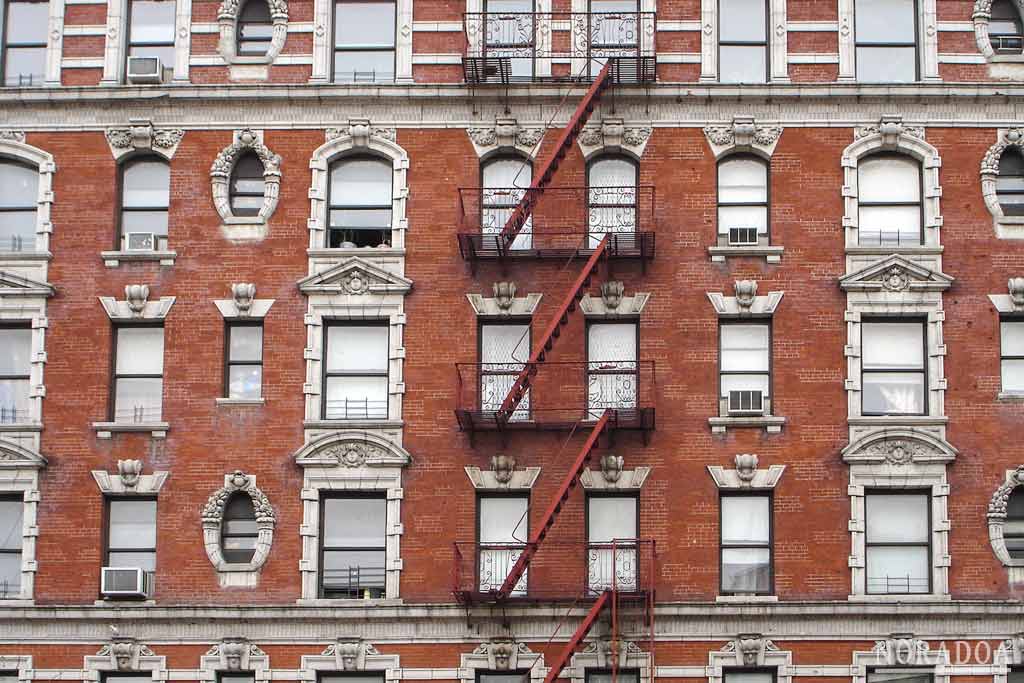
(126, 582)
(746, 403)
(140, 241)
(144, 70)
(742, 236)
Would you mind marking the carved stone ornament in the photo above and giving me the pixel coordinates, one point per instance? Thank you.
(1012, 650)
(611, 467)
(503, 466)
(235, 654)
(136, 305)
(504, 302)
(746, 292)
(746, 467)
(610, 653)
(899, 448)
(129, 471)
(746, 303)
(229, 9)
(243, 303)
(503, 475)
(12, 135)
(743, 135)
(749, 648)
(350, 654)
(614, 302)
(350, 448)
(506, 134)
(213, 511)
(999, 66)
(901, 649)
(360, 130)
(124, 653)
(997, 505)
(244, 574)
(611, 294)
(613, 135)
(141, 135)
(890, 127)
(1012, 137)
(504, 294)
(129, 480)
(250, 67)
(1006, 227)
(896, 279)
(895, 274)
(502, 653)
(245, 141)
(746, 475)
(243, 294)
(1015, 285)
(137, 296)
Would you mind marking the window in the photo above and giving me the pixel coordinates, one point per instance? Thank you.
(605, 676)
(1013, 527)
(893, 368)
(745, 370)
(244, 372)
(504, 350)
(131, 533)
(356, 372)
(612, 367)
(502, 532)
(612, 535)
(611, 197)
(15, 360)
(239, 677)
(352, 547)
(1015, 675)
(26, 25)
(505, 181)
(9, 676)
(897, 542)
(749, 676)
(614, 31)
(889, 201)
(509, 31)
(742, 41)
(145, 196)
(11, 532)
(502, 677)
(360, 203)
(238, 529)
(247, 184)
(110, 677)
(1010, 182)
(19, 194)
(365, 677)
(151, 32)
(255, 31)
(1005, 29)
(742, 201)
(886, 40)
(897, 675)
(1011, 345)
(746, 544)
(364, 41)
(138, 373)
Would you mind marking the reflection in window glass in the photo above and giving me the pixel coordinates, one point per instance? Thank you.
(893, 368)
(19, 195)
(151, 32)
(145, 195)
(245, 361)
(131, 533)
(255, 29)
(356, 372)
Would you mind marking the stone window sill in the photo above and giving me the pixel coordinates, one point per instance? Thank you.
(901, 597)
(771, 254)
(112, 259)
(898, 420)
(920, 249)
(21, 427)
(746, 599)
(240, 401)
(358, 251)
(17, 602)
(770, 423)
(127, 602)
(25, 255)
(352, 424)
(106, 430)
(1012, 396)
(353, 602)
(1007, 59)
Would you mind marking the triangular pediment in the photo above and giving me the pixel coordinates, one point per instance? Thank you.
(12, 284)
(355, 276)
(13, 456)
(352, 448)
(896, 274)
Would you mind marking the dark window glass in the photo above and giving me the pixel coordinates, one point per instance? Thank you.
(502, 531)
(893, 368)
(1013, 528)
(889, 201)
(19, 196)
(145, 196)
(612, 532)
(1005, 28)
(131, 533)
(12, 509)
(353, 547)
(151, 32)
(360, 203)
(356, 372)
(742, 41)
(244, 372)
(742, 200)
(897, 535)
(746, 545)
(364, 41)
(1010, 182)
(238, 529)
(886, 40)
(247, 184)
(15, 369)
(24, 46)
(138, 373)
(255, 30)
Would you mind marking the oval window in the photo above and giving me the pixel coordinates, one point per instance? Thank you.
(239, 530)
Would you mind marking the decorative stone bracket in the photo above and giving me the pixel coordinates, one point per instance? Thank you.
(234, 654)
(899, 447)
(141, 135)
(351, 654)
(1006, 227)
(997, 520)
(746, 475)
(506, 135)
(750, 650)
(13, 135)
(503, 654)
(243, 305)
(504, 303)
(121, 654)
(129, 480)
(360, 130)
(246, 67)
(503, 475)
(613, 301)
(136, 305)
(612, 476)
(245, 227)
(891, 128)
(743, 135)
(746, 303)
(612, 135)
(238, 574)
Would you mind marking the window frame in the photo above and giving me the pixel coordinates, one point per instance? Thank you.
(228, 556)
(503, 322)
(325, 375)
(19, 325)
(595, 494)
(7, 44)
(773, 670)
(263, 41)
(925, 493)
(33, 206)
(765, 44)
(767, 196)
(587, 372)
(233, 193)
(107, 500)
(1019, 152)
(524, 674)
(1018, 22)
(628, 670)
(902, 156)
(739, 493)
(229, 325)
(635, 206)
(114, 376)
(482, 495)
(1016, 491)
(129, 43)
(334, 49)
(1003, 318)
(766, 401)
(330, 206)
(888, 45)
(18, 498)
(322, 548)
(493, 158)
(924, 370)
(120, 209)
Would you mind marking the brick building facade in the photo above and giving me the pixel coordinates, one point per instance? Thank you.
(259, 320)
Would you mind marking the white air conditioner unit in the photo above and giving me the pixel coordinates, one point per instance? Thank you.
(126, 582)
(145, 70)
(742, 236)
(140, 241)
(746, 403)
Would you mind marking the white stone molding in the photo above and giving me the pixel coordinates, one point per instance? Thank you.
(129, 480)
(603, 653)
(249, 67)
(900, 458)
(351, 655)
(13, 147)
(750, 650)
(612, 476)
(22, 664)
(777, 33)
(745, 304)
(501, 654)
(891, 134)
(503, 475)
(1005, 67)
(19, 473)
(123, 655)
(1009, 653)
(245, 228)
(504, 303)
(847, 43)
(613, 136)
(743, 135)
(140, 135)
(902, 650)
(357, 138)
(243, 305)
(116, 48)
(323, 32)
(506, 135)
(54, 43)
(136, 305)
(234, 654)
(358, 461)
(997, 520)
(182, 40)
(1006, 227)
(746, 476)
(238, 574)
(613, 302)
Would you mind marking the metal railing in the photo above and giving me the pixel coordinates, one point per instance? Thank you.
(354, 582)
(356, 409)
(888, 238)
(1007, 44)
(897, 584)
(140, 413)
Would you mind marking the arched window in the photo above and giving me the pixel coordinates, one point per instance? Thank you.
(238, 529)
(1010, 183)
(359, 203)
(505, 180)
(1005, 29)
(742, 201)
(1013, 529)
(19, 193)
(247, 185)
(145, 195)
(611, 197)
(889, 200)
(255, 29)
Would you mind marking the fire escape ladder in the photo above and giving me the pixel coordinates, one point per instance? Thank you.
(524, 208)
(577, 638)
(570, 482)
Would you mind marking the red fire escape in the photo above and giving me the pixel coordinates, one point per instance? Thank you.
(609, 595)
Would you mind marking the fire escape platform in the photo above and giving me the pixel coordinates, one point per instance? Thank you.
(478, 247)
(627, 419)
(492, 70)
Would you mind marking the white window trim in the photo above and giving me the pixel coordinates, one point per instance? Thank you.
(1000, 66)
(777, 30)
(244, 574)
(927, 41)
(1011, 304)
(902, 649)
(54, 43)
(123, 655)
(597, 654)
(750, 650)
(23, 300)
(1013, 480)
(19, 473)
(350, 460)
(349, 655)
(501, 654)
(245, 228)
(249, 67)
(116, 49)
(23, 665)
(899, 459)
(1006, 227)
(13, 147)
(323, 41)
(232, 655)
